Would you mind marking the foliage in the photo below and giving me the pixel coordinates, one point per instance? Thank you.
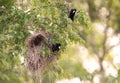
(16, 24)
(20, 19)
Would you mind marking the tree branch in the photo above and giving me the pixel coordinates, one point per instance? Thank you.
(104, 42)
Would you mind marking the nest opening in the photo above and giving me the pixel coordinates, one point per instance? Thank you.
(36, 39)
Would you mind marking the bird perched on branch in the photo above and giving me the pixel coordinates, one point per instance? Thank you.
(72, 14)
(56, 47)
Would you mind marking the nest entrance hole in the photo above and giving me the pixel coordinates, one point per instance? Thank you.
(37, 40)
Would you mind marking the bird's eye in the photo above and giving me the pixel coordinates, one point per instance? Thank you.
(59, 47)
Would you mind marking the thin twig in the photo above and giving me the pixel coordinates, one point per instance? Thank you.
(111, 47)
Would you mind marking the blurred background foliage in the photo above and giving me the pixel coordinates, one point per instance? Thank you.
(21, 18)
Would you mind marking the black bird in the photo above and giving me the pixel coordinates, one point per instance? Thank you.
(72, 14)
(56, 47)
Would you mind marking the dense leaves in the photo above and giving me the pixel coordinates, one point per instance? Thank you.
(16, 24)
(21, 18)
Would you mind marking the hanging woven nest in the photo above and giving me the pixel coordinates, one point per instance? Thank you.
(34, 43)
(35, 61)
